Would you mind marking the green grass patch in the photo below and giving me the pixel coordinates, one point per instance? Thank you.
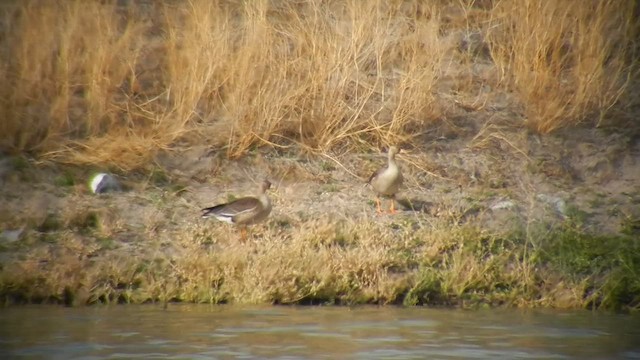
(66, 179)
(607, 266)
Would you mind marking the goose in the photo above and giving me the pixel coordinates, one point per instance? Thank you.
(386, 181)
(243, 211)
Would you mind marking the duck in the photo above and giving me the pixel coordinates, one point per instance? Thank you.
(387, 181)
(244, 211)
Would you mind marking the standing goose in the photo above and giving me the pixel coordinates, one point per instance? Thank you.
(244, 211)
(387, 181)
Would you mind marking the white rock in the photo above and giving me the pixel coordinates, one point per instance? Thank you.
(102, 183)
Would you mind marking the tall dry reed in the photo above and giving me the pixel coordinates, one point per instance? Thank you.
(89, 82)
(568, 62)
(95, 82)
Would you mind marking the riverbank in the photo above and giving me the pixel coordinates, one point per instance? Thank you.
(515, 236)
(518, 124)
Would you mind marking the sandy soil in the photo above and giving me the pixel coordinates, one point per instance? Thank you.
(495, 179)
(495, 175)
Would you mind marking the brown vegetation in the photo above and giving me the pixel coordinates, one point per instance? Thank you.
(567, 63)
(95, 82)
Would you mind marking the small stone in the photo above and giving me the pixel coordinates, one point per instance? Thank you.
(11, 236)
(558, 203)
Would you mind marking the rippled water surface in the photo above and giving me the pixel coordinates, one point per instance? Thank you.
(226, 332)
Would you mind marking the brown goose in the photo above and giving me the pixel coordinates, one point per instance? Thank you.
(387, 181)
(244, 211)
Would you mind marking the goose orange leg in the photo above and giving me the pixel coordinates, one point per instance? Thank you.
(392, 208)
(378, 206)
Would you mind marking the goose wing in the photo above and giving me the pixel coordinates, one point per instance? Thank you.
(376, 174)
(233, 208)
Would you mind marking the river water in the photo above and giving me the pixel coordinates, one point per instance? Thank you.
(230, 332)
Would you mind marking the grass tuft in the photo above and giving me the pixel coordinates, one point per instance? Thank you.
(567, 63)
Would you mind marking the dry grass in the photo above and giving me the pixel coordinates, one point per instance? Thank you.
(567, 63)
(325, 262)
(100, 83)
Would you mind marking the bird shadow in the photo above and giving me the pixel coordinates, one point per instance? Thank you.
(414, 204)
